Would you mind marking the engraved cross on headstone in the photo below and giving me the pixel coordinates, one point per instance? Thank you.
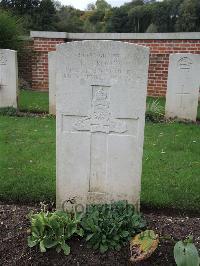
(184, 64)
(100, 120)
(182, 94)
(2, 85)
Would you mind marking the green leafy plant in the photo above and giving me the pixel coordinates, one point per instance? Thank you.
(53, 229)
(10, 111)
(109, 226)
(154, 111)
(186, 254)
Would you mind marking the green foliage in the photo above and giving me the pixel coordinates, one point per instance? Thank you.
(134, 16)
(189, 19)
(109, 226)
(20, 7)
(52, 230)
(152, 28)
(10, 111)
(118, 21)
(102, 5)
(69, 20)
(46, 16)
(154, 111)
(10, 31)
(186, 254)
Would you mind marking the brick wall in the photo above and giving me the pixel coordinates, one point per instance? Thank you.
(40, 61)
(161, 46)
(25, 63)
(159, 60)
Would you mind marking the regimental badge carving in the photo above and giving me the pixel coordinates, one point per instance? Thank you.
(100, 119)
(185, 63)
(3, 59)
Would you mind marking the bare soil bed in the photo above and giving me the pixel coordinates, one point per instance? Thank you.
(14, 250)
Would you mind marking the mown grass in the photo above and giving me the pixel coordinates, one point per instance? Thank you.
(171, 162)
(27, 159)
(33, 101)
(171, 166)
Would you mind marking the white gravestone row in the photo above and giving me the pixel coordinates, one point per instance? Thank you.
(183, 86)
(8, 78)
(101, 91)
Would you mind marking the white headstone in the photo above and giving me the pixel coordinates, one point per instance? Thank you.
(101, 97)
(183, 86)
(8, 78)
(52, 82)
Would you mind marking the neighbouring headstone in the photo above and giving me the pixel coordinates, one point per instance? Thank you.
(101, 97)
(183, 86)
(52, 82)
(8, 78)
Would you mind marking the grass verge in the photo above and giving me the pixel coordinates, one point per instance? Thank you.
(171, 162)
(33, 101)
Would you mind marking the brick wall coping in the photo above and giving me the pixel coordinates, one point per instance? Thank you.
(49, 34)
(116, 36)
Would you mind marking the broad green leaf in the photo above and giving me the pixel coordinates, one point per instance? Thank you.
(42, 247)
(80, 232)
(103, 248)
(124, 234)
(66, 248)
(49, 243)
(89, 237)
(32, 242)
(186, 254)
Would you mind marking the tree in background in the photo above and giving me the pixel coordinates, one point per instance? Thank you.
(46, 16)
(189, 16)
(134, 16)
(140, 18)
(10, 31)
(96, 15)
(69, 19)
(36, 14)
(117, 22)
(20, 7)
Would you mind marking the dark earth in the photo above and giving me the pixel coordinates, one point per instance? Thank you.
(14, 250)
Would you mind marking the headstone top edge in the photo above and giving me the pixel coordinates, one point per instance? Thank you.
(8, 50)
(68, 44)
(174, 55)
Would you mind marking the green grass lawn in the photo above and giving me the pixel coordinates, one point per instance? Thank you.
(33, 101)
(171, 162)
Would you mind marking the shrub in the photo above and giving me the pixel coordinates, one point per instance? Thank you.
(10, 111)
(109, 226)
(10, 31)
(154, 111)
(53, 229)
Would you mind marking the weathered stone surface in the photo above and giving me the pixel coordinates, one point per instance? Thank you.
(52, 82)
(8, 78)
(101, 97)
(183, 86)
